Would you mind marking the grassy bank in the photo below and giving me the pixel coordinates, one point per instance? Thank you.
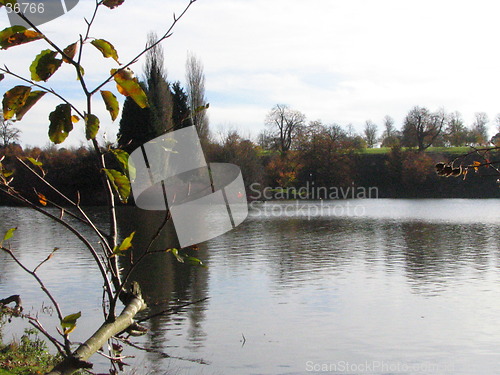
(430, 150)
(24, 356)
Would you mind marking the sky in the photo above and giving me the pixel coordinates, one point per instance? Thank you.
(336, 61)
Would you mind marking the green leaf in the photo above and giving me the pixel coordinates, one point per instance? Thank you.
(17, 35)
(122, 158)
(201, 108)
(175, 253)
(120, 183)
(112, 3)
(111, 103)
(71, 319)
(125, 245)
(44, 65)
(82, 72)
(60, 123)
(194, 261)
(8, 235)
(31, 100)
(5, 173)
(106, 48)
(34, 162)
(128, 85)
(69, 322)
(183, 258)
(14, 100)
(91, 126)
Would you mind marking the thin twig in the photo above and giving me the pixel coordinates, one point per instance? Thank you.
(6, 70)
(13, 194)
(167, 35)
(162, 354)
(36, 323)
(85, 219)
(61, 51)
(139, 260)
(46, 259)
(33, 274)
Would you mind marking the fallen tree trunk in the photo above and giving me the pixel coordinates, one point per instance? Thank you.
(79, 358)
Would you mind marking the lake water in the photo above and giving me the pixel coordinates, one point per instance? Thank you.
(342, 287)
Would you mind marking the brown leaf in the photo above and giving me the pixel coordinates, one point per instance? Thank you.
(70, 51)
(111, 4)
(16, 35)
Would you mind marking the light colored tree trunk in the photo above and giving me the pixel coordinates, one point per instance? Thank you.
(99, 338)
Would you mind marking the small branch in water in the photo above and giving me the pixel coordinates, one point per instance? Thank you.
(172, 309)
(164, 355)
(15, 298)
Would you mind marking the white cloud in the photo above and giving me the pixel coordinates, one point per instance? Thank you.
(334, 60)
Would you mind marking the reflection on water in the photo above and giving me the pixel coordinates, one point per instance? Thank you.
(408, 283)
(166, 284)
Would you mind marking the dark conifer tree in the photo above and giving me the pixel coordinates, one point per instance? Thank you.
(181, 116)
(135, 126)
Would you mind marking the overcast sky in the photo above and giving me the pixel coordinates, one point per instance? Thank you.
(337, 61)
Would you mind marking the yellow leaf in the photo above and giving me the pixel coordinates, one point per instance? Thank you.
(120, 183)
(91, 126)
(106, 48)
(128, 85)
(34, 162)
(111, 104)
(8, 235)
(69, 322)
(125, 245)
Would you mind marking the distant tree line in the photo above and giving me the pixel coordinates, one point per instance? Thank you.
(421, 129)
(289, 153)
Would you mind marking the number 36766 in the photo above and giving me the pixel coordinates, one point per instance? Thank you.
(25, 8)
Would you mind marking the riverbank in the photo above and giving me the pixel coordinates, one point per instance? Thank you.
(393, 173)
(24, 356)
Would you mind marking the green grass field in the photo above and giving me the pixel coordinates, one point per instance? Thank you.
(386, 150)
(445, 150)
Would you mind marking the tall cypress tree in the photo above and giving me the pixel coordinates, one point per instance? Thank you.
(159, 95)
(195, 85)
(138, 126)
